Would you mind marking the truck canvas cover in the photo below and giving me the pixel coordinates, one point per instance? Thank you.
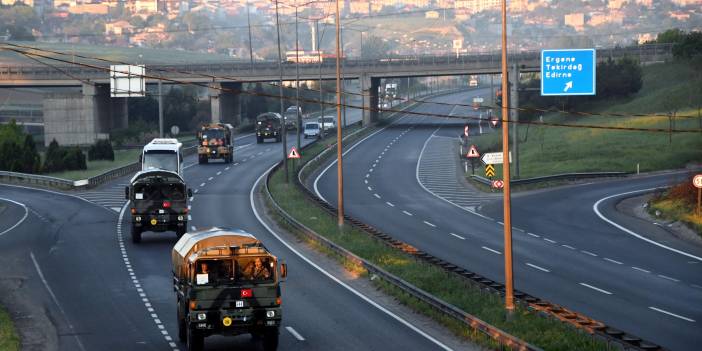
(189, 244)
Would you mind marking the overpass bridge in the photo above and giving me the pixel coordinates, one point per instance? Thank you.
(91, 113)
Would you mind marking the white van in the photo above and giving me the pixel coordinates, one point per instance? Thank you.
(163, 154)
(312, 130)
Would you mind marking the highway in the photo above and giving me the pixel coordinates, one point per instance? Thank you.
(563, 251)
(78, 265)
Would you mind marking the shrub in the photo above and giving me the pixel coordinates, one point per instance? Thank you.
(54, 158)
(101, 150)
(74, 159)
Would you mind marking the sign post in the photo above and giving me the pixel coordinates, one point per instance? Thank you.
(568, 72)
(697, 182)
(472, 155)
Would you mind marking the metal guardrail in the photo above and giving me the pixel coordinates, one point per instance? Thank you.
(398, 63)
(562, 176)
(580, 321)
(67, 184)
(502, 337)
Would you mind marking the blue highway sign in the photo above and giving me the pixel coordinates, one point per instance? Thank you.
(568, 72)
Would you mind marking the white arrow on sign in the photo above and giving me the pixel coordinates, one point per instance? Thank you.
(494, 158)
(568, 86)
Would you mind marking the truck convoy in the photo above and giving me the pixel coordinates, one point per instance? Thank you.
(164, 154)
(268, 125)
(158, 203)
(226, 283)
(291, 116)
(215, 140)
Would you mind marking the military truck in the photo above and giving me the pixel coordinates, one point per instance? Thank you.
(269, 125)
(215, 140)
(158, 203)
(226, 283)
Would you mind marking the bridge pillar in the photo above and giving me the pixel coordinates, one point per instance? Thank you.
(82, 118)
(225, 102)
(369, 90)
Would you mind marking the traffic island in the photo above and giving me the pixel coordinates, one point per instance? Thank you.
(9, 341)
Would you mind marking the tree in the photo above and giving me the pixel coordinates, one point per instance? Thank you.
(30, 160)
(54, 158)
(670, 36)
(375, 48)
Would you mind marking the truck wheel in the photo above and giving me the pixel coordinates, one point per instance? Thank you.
(182, 330)
(195, 341)
(136, 234)
(270, 339)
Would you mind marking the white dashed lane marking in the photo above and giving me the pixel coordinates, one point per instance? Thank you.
(407, 213)
(672, 314)
(390, 204)
(202, 184)
(611, 260)
(537, 267)
(640, 269)
(295, 333)
(430, 224)
(596, 288)
(458, 236)
(589, 253)
(376, 195)
(534, 235)
(549, 240)
(491, 250)
(668, 278)
(568, 247)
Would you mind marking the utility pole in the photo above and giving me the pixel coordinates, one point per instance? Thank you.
(297, 80)
(160, 109)
(248, 18)
(509, 288)
(514, 112)
(343, 81)
(339, 151)
(321, 92)
(280, 91)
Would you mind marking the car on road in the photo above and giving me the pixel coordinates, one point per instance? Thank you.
(291, 116)
(312, 130)
(268, 125)
(329, 123)
(226, 283)
(159, 203)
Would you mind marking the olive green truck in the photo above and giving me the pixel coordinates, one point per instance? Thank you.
(226, 283)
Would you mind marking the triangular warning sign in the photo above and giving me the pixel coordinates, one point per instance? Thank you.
(473, 152)
(293, 153)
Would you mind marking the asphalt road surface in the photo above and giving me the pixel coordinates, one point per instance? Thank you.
(75, 262)
(563, 251)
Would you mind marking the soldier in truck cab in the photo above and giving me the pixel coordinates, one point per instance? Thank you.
(256, 270)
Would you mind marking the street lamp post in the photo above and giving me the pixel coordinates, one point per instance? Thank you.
(280, 91)
(248, 20)
(339, 148)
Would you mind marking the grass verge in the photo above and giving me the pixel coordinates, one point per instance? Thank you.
(9, 341)
(545, 150)
(546, 333)
(678, 204)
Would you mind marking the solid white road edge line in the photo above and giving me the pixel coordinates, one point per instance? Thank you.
(330, 276)
(53, 297)
(671, 314)
(596, 288)
(595, 208)
(26, 213)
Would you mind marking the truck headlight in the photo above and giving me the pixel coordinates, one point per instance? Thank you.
(137, 218)
(270, 314)
(180, 218)
(201, 316)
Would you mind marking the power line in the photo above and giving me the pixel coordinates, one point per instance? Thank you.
(373, 109)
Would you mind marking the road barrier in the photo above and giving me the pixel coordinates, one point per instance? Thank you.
(562, 176)
(502, 337)
(67, 184)
(596, 328)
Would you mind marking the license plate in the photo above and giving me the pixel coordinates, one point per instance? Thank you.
(240, 303)
(161, 211)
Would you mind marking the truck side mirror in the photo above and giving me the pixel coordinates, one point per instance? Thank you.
(283, 270)
(190, 192)
(126, 193)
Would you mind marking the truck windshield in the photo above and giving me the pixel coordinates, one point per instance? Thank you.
(311, 126)
(213, 134)
(241, 270)
(159, 192)
(161, 159)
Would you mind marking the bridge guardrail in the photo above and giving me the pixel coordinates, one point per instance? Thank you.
(398, 63)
